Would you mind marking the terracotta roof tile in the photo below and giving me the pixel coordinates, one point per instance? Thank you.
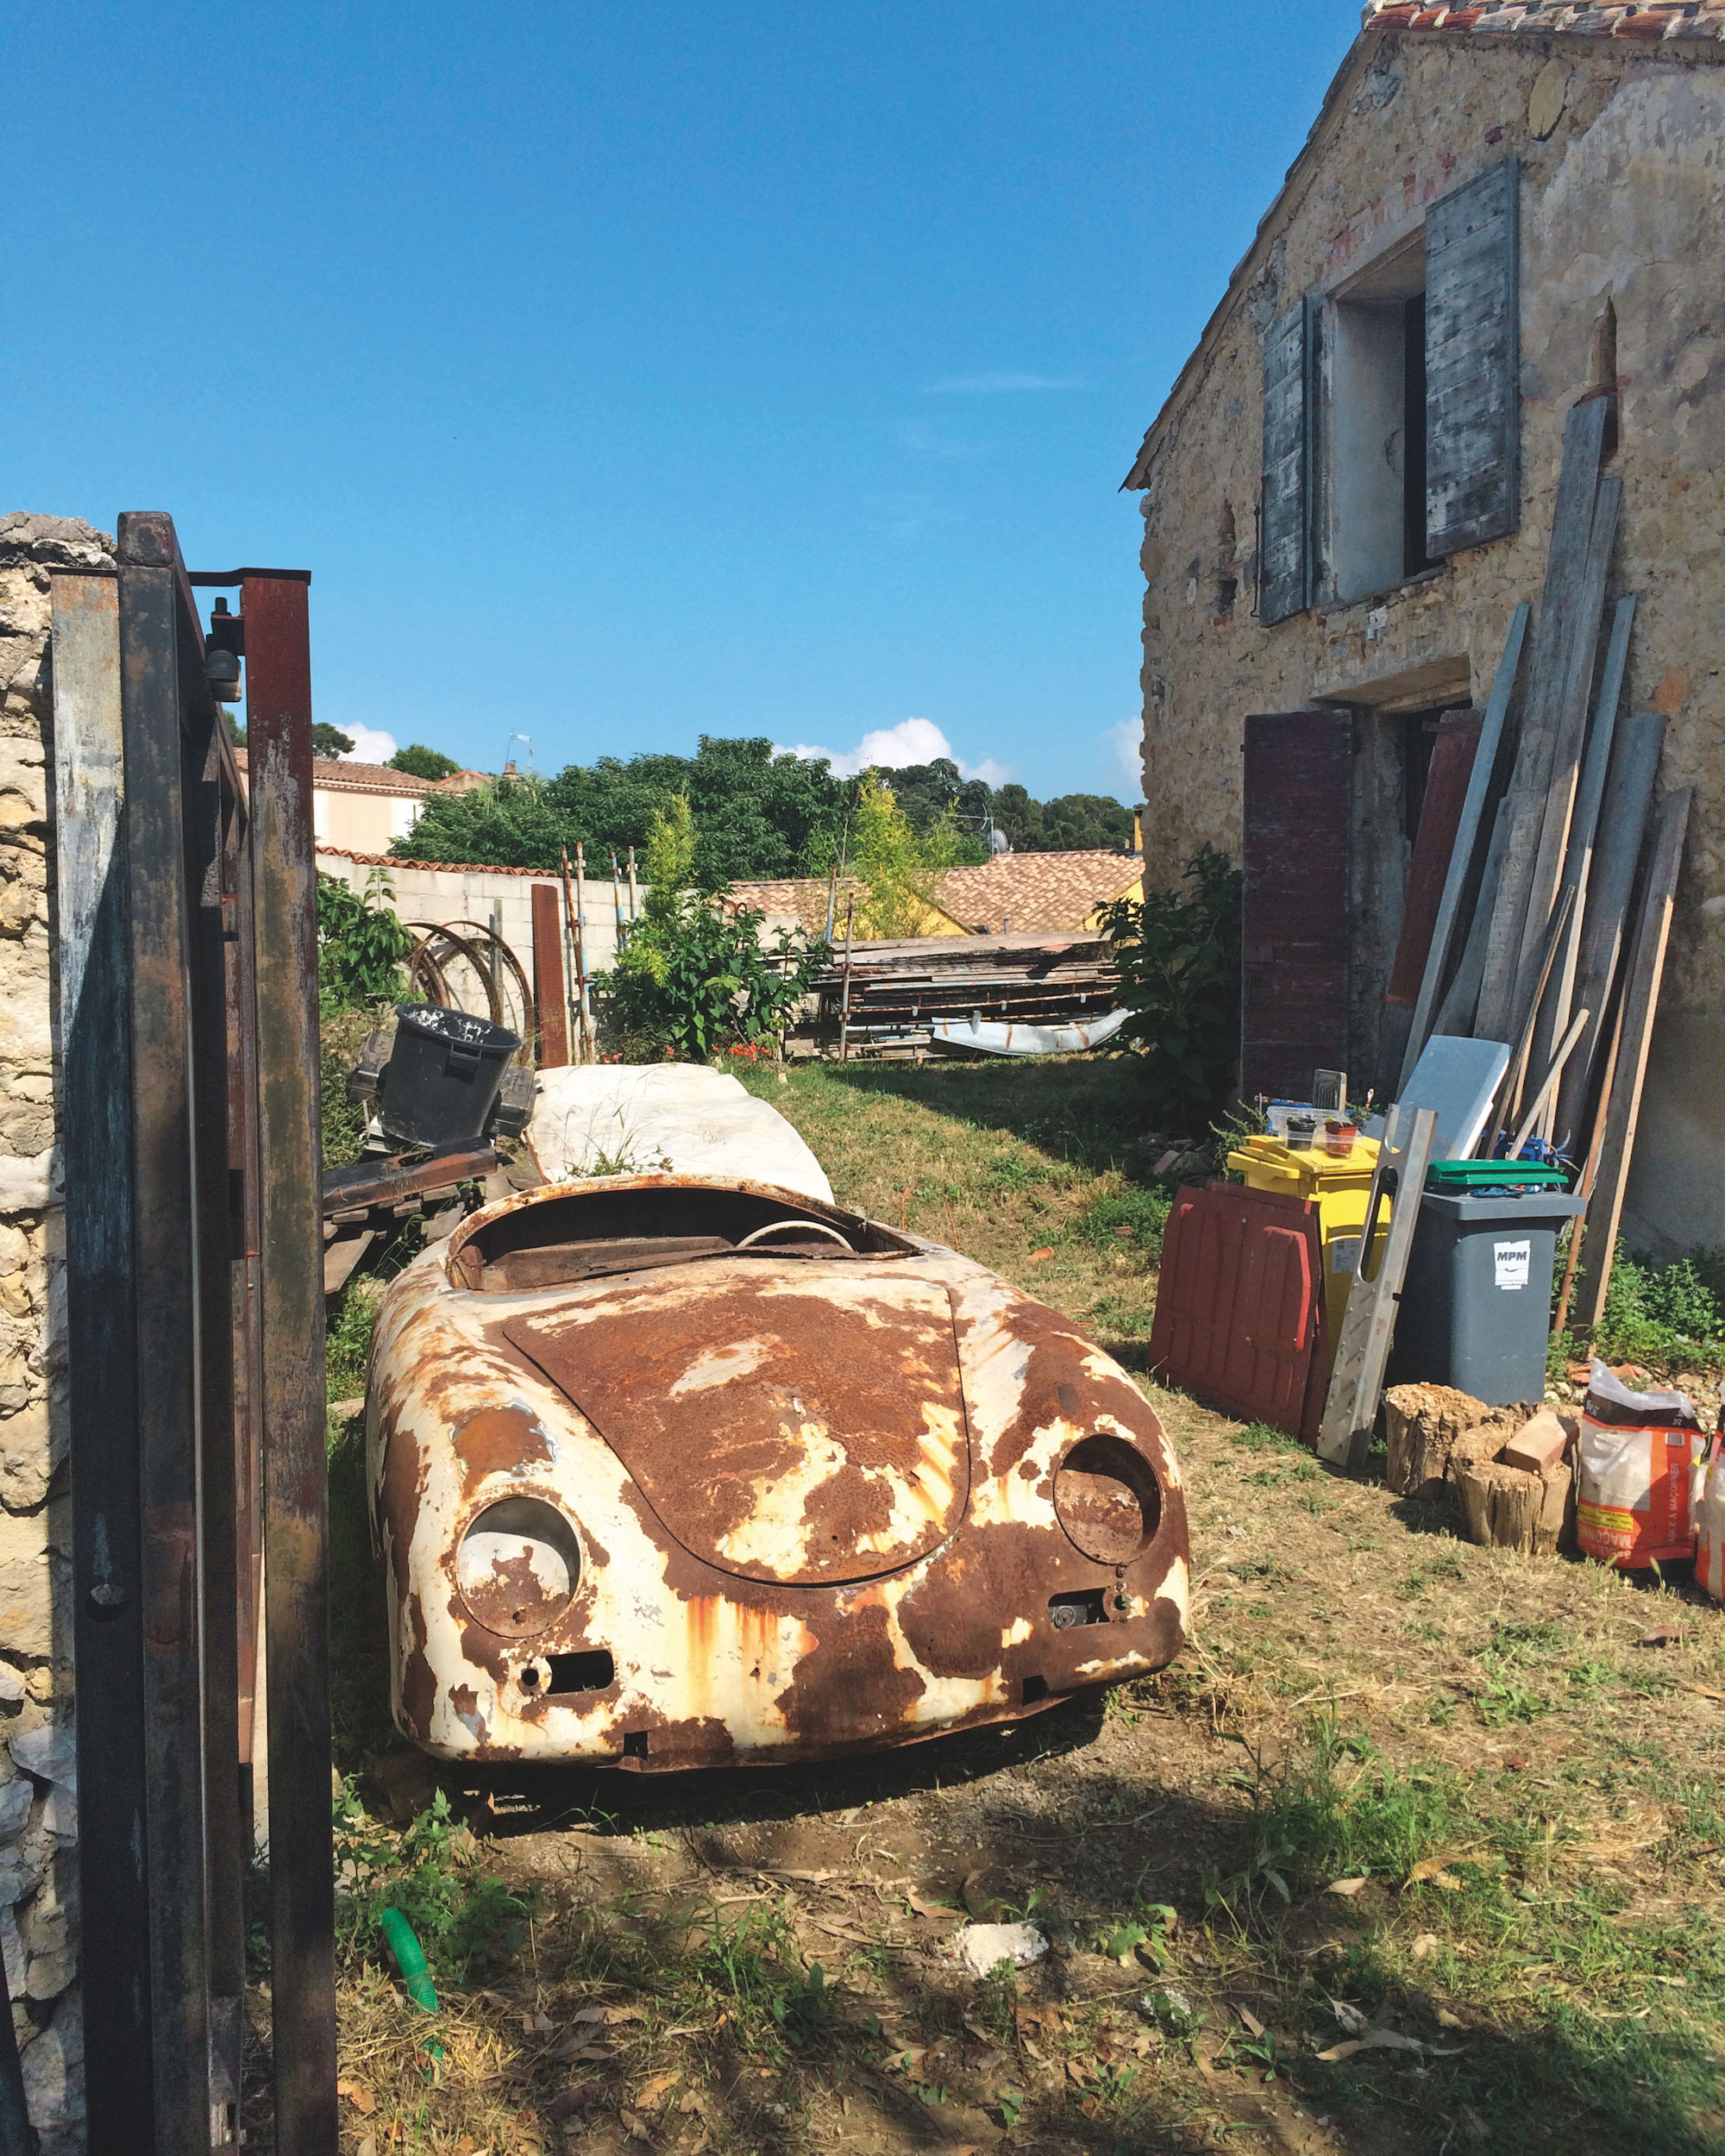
(347, 774)
(1033, 892)
(1673, 19)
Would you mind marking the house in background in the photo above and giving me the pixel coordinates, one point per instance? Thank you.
(1500, 210)
(365, 807)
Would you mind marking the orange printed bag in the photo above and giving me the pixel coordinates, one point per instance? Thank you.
(1635, 1464)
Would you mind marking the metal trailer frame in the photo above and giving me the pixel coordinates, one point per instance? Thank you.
(189, 1132)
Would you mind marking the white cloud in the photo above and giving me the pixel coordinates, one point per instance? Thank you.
(911, 741)
(371, 744)
(995, 384)
(1124, 745)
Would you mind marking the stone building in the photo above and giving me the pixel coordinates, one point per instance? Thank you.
(38, 1779)
(1500, 210)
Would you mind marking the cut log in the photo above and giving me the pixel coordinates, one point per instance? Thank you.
(1423, 1425)
(1507, 1508)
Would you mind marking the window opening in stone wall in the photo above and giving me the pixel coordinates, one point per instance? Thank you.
(1375, 481)
(1227, 565)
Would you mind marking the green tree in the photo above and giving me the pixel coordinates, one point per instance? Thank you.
(934, 794)
(1086, 821)
(900, 871)
(511, 824)
(329, 741)
(420, 762)
(756, 814)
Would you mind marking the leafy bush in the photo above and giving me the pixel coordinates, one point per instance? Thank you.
(1663, 1314)
(1179, 956)
(361, 943)
(697, 980)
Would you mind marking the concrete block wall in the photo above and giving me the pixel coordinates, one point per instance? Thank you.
(502, 897)
(38, 1779)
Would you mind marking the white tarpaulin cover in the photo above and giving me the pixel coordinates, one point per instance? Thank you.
(681, 1117)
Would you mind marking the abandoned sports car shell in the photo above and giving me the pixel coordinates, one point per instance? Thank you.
(677, 1470)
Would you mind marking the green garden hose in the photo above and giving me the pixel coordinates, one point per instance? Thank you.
(410, 1958)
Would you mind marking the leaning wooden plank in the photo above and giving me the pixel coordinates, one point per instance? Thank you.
(1612, 882)
(1581, 650)
(1640, 1006)
(1368, 1325)
(1590, 1175)
(1454, 753)
(1455, 1016)
(1583, 826)
(1508, 1099)
(1467, 836)
(1565, 564)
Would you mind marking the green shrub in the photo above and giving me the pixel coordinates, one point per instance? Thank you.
(1663, 1314)
(361, 943)
(1179, 956)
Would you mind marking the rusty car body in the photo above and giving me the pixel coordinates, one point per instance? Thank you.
(675, 1470)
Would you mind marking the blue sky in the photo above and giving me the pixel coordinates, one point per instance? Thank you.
(624, 374)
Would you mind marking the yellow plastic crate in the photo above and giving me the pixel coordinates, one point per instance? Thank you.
(1341, 1185)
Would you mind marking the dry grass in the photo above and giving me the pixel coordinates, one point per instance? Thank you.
(1527, 1794)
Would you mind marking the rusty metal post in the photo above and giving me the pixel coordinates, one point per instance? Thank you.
(549, 993)
(295, 1485)
(165, 1227)
(101, 1260)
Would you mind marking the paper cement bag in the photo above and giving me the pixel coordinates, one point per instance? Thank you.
(1633, 1493)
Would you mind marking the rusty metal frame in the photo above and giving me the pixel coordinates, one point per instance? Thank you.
(294, 1407)
(189, 1134)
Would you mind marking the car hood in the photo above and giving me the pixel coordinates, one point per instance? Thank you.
(805, 1427)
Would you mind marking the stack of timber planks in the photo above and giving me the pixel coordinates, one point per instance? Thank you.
(1560, 874)
(883, 998)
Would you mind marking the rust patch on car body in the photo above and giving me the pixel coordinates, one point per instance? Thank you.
(778, 1434)
(756, 1507)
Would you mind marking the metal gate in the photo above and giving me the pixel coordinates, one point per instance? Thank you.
(189, 1134)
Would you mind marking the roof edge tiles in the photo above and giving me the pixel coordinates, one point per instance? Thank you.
(1702, 20)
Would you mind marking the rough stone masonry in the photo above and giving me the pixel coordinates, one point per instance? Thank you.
(38, 1775)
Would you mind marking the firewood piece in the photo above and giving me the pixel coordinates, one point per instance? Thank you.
(1508, 1509)
(1423, 1424)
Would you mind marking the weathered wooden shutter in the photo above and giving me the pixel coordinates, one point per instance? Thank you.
(1473, 362)
(1298, 790)
(1285, 568)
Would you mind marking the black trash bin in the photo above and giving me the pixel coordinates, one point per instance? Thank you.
(1475, 1310)
(443, 1073)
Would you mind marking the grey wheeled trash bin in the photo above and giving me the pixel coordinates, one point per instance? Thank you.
(1476, 1308)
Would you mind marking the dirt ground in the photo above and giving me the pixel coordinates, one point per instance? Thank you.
(1419, 1846)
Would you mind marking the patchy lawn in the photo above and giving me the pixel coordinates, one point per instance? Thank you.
(1442, 1814)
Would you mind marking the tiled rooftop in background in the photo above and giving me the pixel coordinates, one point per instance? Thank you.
(1693, 19)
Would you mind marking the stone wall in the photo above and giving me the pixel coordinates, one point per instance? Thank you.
(1621, 200)
(38, 1779)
